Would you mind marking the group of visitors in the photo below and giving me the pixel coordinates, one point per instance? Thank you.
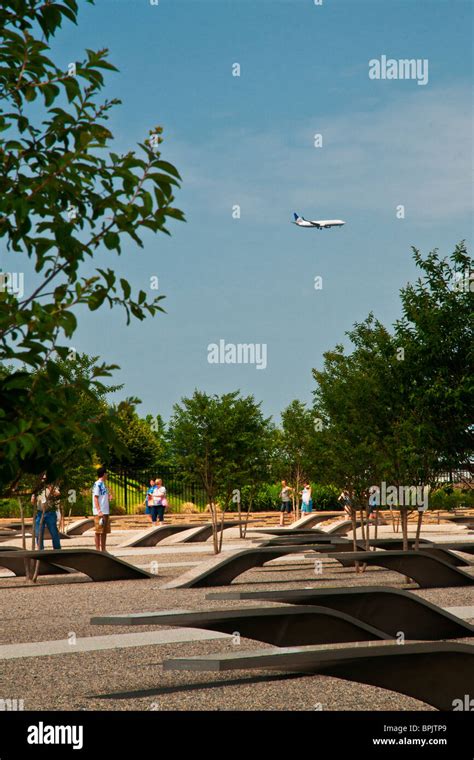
(48, 513)
(287, 499)
(155, 501)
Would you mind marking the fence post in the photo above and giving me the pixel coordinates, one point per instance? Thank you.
(125, 495)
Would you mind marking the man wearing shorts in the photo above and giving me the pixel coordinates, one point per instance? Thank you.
(286, 504)
(101, 509)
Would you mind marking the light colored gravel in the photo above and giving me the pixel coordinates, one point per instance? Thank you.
(133, 679)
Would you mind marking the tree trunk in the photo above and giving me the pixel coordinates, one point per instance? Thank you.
(241, 534)
(23, 536)
(247, 515)
(354, 537)
(221, 533)
(418, 529)
(212, 510)
(404, 525)
(364, 536)
(35, 565)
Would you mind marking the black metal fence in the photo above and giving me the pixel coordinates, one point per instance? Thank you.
(129, 488)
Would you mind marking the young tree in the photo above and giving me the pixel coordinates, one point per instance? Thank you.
(396, 409)
(219, 440)
(140, 448)
(64, 198)
(295, 447)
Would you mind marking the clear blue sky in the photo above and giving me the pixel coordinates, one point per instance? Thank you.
(248, 140)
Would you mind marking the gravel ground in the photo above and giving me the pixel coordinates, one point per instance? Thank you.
(133, 679)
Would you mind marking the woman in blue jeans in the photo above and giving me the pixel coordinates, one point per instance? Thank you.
(46, 516)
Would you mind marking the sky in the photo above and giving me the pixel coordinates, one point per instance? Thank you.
(249, 141)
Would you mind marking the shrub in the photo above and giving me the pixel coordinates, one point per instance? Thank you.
(449, 498)
(188, 508)
(325, 497)
(117, 509)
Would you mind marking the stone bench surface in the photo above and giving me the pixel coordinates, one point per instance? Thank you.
(426, 570)
(435, 673)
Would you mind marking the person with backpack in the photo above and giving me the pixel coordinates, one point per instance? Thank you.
(46, 502)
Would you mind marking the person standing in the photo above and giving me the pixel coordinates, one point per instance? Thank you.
(149, 499)
(101, 509)
(345, 498)
(159, 502)
(306, 500)
(46, 515)
(286, 505)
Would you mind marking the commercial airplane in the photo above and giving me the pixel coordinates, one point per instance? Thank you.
(320, 224)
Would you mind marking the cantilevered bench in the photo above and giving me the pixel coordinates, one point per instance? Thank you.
(313, 518)
(15, 531)
(339, 544)
(467, 547)
(426, 570)
(14, 560)
(221, 570)
(441, 551)
(461, 519)
(99, 566)
(435, 673)
(387, 609)
(338, 529)
(306, 522)
(309, 537)
(433, 551)
(153, 536)
(79, 527)
(203, 532)
(281, 626)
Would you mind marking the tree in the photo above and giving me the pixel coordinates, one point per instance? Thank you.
(65, 197)
(160, 433)
(221, 441)
(77, 462)
(295, 446)
(140, 448)
(354, 408)
(396, 409)
(436, 334)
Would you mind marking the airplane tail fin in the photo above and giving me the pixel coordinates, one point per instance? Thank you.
(296, 216)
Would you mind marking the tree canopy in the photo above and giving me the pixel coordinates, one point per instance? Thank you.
(65, 197)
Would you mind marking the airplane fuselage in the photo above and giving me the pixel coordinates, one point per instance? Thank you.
(319, 224)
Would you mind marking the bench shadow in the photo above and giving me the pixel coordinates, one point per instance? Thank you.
(176, 688)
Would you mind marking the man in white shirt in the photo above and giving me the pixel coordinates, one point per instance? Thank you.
(101, 509)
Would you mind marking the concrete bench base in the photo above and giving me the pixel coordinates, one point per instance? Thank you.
(393, 611)
(426, 570)
(435, 673)
(99, 566)
(223, 568)
(281, 626)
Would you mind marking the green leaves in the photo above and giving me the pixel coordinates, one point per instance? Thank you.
(64, 196)
(397, 408)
